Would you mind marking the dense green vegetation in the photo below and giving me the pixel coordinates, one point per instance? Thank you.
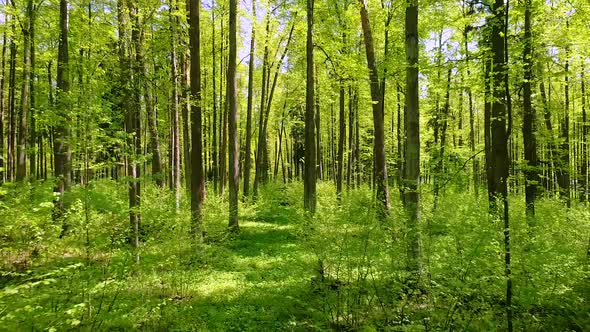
(267, 277)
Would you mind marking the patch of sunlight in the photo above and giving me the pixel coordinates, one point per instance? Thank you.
(254, 224)
(221, 285)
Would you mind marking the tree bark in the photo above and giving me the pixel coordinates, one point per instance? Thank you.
(197, 180)
(499, 141)
(248, 151)
(411, 194)
(341, 140)
(529, 118)
(21, 170)
(61, 131)
(234, 167)
(2, 108)
(380, 166)
(309, 184)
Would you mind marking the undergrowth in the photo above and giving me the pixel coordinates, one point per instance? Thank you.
(340, 269)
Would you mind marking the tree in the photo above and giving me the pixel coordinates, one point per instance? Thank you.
(197, 179)
(61, 131)
(309, 181)
(411, 181)
(234, 167)
(380, 165)
(499, 139)
(248, 149)
(529, 117)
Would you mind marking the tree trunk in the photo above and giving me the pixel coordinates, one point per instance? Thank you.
(234, 167)
(309, 184)
(174, 103)
(318, 132)
(21, 170)
(197, 180)
(529, 119)
(11, 101)
(2, 109)
(32, 124)
(61, 132)
(499, 139)
(380, 166)
(563, 175)
(584, 192)
(411, 194)
(341, 140)
(248, 152)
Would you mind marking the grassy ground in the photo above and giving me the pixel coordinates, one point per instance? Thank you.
(340, 270)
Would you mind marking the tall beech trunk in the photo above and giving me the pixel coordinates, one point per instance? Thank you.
(11, 101)
(248, 150)
(350, 168)
(21, 165)
(197, 179)
(309, 183)
(132, 120)
(261, 143)
(529, 118)
(380, 166)
(61, 131)
(499, 141)
(411, 183)
(174, 105)
(563, 176)
(234, 167)
(215, 103)
(341, 140)
(32, 131)
(2, 108)
(584, 192)
(318, 132)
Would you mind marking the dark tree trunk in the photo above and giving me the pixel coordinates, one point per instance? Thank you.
(309, 184)
(61, 132)
(350, 170)
(563, 176)
(32, 123)
(341, 140)
(584, 193)
(215, 103)
(380, 166)
(11, 102)
(2, 108)
(234, 167)
(197, 180)
(499, 140)
(529, 118)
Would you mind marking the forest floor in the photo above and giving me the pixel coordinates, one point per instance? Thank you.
(285, 270)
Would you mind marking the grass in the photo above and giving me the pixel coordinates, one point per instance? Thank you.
(338, 270)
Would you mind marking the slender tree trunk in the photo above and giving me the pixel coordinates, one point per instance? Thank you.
(584, 192)
(499, 140)
(350, 170)
(214, 78)
(132, 120)
(11, 101)
(61, 133)
(309, 184)
(32, 123)
(380, 166)
(2, 108)
(174, 103)
(261, 144)
(234, 167)
(440, 168)
(248, 152)
(21, 170)
(318, 132)
(341, 140)
(411, 194)
(529, 118)
(197, 180)
(563, 176)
